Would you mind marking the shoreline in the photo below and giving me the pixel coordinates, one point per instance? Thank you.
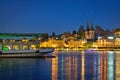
(87, 49)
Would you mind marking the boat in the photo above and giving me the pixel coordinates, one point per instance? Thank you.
(25, 53)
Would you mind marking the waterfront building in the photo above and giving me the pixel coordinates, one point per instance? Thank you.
(106, 42)
(25, 40)
(59, 43)
(75, 43)
(19, 44)
(117, 33)
(53, 43)
(66, 36)
(117, 38)
(21, 40)
(117, 42)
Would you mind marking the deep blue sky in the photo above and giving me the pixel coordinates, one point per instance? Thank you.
(46, 16)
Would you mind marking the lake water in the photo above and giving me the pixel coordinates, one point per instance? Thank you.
(68, 65)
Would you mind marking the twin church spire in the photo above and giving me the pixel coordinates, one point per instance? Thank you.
(87, 26)
(89, 33)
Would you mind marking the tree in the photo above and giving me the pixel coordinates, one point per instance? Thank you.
(115, 29)
(99, 30)
(67, 33)
(74, 32)
(81, 32)
(107, 32)
(1, 40)
(53, 34)
(45, 37)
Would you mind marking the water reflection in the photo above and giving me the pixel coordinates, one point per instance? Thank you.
(81, 65)
(55, 68)
(110, 66)
(117, 65)
(103, 65)
(99, 65)
(25, 69)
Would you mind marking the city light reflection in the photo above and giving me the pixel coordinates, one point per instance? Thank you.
(117, 65)
(99, 65)
(110, 68)
(83, 66)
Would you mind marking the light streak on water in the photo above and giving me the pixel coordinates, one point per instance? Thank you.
(110, 65)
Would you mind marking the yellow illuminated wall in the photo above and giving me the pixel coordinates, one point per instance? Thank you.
(25, 46)
(16, 47)
(33, 46)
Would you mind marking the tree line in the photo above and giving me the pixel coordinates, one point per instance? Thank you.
(98, 31)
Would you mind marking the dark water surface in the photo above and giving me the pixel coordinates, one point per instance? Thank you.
(74, 65)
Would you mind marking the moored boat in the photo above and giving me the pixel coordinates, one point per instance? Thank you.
(49, 50)
(25, 53)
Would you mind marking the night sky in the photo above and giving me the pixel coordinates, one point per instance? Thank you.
(47, 16)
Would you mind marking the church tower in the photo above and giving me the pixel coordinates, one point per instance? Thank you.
(92, 32)
(87, 31)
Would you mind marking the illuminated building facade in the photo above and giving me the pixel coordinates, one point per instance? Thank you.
(20, 41)
(104, 42)
(90, 32)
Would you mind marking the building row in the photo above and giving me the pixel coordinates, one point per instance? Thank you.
(65, 40)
